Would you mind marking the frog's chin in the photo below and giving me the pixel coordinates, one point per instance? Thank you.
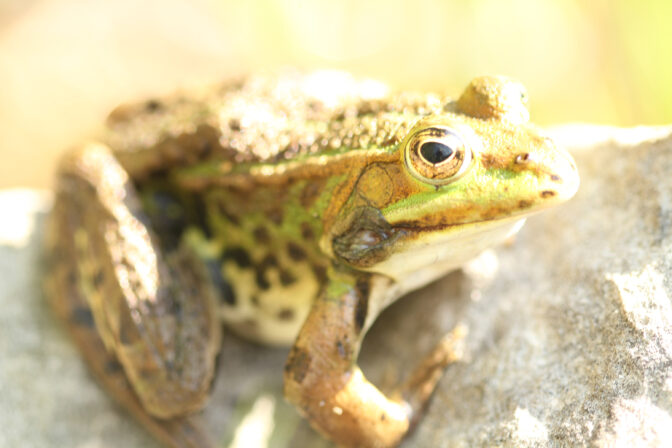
(427, 255)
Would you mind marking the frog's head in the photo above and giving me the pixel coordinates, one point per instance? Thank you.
(460, 181)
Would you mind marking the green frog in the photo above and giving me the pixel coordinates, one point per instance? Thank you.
(293, 207)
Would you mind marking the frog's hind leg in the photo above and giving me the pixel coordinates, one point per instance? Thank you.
(71, 307)
(144, 322)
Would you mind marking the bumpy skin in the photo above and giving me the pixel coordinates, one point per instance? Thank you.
(296, 207)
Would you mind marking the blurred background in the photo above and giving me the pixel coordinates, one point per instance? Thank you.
(65, 63)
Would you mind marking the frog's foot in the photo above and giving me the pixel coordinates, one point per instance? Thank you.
(144, 322)
(322, 377)
(419, 387)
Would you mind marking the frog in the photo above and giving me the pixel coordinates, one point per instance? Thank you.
(292, 207)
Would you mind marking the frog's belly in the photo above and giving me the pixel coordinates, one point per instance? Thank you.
(272, 309)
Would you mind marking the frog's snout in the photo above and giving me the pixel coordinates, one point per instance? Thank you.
(558, 176)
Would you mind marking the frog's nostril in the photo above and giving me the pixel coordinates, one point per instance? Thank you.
(523, 158)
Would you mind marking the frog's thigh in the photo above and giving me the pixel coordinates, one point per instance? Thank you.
(66, 298)
(152, 312)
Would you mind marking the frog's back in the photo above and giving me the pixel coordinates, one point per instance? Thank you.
(261, 119)
(260, 240)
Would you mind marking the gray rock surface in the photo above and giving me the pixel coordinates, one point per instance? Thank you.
(569, 344)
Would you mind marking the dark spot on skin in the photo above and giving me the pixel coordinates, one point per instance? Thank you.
(555, 178)
(286, 277)
(261, 235)
(307, 232)
(493, 212)
(176, 307)
(363, 287)
(298, 364)
(113, 366)
(524, 203)
(268, 261)
(168, 217)
(295, 251)
(202, 217)
(275, 216)
(98, 278)
(168, 364)
(239, 256)
(134, 282)
(72, 277)
(286, 314)
(224, 212)
(341, 349)
(548, 194)
(82, 316)
(225, 292)
(206, 148)
(362, 306)
(128, 331)
(153, 106)
(382, 417)
(311, 192)
(261, 281)
(234, 124)
(320, 274)
(489, 160)
(255, 300)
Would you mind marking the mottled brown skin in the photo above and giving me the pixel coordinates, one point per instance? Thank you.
(291, 186)
(68, 271)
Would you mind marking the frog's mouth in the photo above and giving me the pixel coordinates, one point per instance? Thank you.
(371, 243)
(433, 252)
(446, 247)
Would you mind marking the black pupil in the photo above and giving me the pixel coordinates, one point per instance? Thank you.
(435, 152)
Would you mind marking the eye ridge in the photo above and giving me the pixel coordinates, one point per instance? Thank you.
(436, 152)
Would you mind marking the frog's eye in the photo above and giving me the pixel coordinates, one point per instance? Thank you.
(437, 155)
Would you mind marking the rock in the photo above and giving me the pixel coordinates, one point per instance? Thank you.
(569, 343)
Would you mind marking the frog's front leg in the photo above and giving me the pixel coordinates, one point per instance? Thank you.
(323, 380)
(132, 309)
